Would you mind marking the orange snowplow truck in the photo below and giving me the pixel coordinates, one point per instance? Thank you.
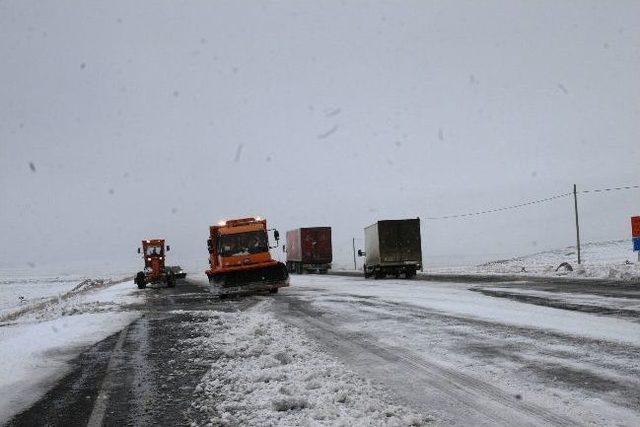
(153, 253)
(239, 258)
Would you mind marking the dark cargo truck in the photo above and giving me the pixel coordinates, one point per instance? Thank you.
(309, 250)
(392, 247)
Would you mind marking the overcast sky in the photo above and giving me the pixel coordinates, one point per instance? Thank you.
(124, 120)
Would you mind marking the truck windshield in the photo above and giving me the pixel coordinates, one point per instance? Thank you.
(243, 243)
(153, 250)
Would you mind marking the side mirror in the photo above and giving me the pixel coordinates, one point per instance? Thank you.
(284, 249)
(276, 235)
(361, 253)
(168, 248)
(138, 250)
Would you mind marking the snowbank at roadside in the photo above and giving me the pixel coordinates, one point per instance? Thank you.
(613, 260)
(18, 290)
(22, 291)
(265, 372)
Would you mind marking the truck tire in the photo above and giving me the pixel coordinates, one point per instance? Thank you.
(410, 273)
(139, 280)
(171, 281)
(273, 291)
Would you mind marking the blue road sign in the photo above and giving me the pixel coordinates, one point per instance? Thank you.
(636, 243)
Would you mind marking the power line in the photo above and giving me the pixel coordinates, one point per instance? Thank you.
(533, 202)
(602, 190)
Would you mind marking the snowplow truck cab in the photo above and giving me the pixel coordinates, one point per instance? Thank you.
(239, 258)
(153, 254)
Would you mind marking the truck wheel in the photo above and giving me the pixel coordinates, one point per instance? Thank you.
(171, 281)
(139, 280)
(273, 291)
(366, 275)
(410, 273)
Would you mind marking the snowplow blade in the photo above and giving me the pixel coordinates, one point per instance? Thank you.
(252, 281)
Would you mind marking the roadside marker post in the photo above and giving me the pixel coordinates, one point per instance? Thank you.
(353, 245)
(635, 234)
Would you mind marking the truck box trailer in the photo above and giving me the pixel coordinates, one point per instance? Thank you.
(309, 250)
(393, 247)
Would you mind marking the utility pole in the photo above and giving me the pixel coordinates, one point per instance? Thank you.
(353, 244)
(575, 206)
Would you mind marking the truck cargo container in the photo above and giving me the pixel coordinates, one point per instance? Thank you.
(392, 247)
(309, 250)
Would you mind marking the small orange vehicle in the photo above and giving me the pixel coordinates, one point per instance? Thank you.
(239, 258)
(153, 253)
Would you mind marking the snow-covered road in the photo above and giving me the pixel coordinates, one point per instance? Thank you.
(330, 350)
(470, 358)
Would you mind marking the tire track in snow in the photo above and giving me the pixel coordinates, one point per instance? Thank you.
(483, 403)
(100, 406)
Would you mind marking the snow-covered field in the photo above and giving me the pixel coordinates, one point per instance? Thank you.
(55, 319)
(266, 372)
(602, 260)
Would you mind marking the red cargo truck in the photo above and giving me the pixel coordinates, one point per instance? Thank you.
(309, 250)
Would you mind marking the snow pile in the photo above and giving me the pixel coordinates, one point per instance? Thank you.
(56, 299)
(90, 296)
(265, 372)
(24, 291)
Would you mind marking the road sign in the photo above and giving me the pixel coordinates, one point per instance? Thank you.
(635, 226)
(636, 244)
